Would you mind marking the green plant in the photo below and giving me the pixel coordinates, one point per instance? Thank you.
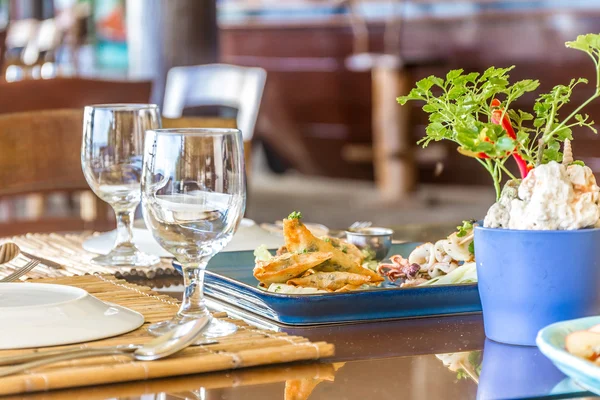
(473, 110)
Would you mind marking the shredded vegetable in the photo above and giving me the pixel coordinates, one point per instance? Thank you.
(466, 273)
(262, 253)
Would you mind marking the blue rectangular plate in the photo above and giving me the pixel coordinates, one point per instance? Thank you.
(229, 279)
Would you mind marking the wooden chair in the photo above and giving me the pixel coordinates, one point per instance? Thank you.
(61, 93)
(40, 153)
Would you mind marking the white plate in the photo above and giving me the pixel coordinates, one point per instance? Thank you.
(551, 342)
(248, 237)
(40, 315)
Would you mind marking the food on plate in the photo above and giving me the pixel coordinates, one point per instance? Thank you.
(446, 261)
(334, 281)
(553, 191)
(307, 264)
(281, 269)
(299, 239)
(585, 344)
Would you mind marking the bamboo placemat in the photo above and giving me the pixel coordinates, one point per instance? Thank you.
(249, 346)
(183, 387)
(67, 250)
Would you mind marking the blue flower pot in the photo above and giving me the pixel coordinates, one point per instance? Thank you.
(530, 279)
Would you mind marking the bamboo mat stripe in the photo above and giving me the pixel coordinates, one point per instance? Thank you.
(249, 346)
(67, 250)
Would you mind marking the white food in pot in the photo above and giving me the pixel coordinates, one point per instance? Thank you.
(551, 197)
(498, 215)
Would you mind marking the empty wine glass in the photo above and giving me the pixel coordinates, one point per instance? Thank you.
(111, 158)
(193, 199)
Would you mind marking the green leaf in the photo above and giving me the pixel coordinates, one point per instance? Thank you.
(429, 108)
(539, 122)
(453, 74)
(525, 116)
(467, 136)
(484, 147)
(564, 133)
(586, 43)
(425, 84)
(522, 87)
(578, 162)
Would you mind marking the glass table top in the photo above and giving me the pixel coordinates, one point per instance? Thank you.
(427, 358)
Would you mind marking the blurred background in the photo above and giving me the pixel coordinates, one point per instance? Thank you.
(312, 83)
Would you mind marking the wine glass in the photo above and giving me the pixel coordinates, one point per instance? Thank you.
(193, 199)
(111, 158)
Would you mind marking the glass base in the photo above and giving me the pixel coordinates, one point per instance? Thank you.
(214, 329)
(117, 258)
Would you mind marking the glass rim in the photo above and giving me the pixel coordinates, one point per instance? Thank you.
(195, 131)
(123, 106)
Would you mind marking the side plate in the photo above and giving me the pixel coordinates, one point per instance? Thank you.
(551, 341)
(229, 279)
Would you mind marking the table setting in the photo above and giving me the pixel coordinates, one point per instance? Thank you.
(513, 295)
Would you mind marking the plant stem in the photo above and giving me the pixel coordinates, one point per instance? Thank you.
(540, 153)
(507, 171)
(488, 165)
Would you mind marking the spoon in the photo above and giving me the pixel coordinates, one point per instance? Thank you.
(8, 251)
(163, 346)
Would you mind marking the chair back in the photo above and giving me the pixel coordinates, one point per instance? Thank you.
(61, 93)
(216, 84)
(40, 155)
(40, 151)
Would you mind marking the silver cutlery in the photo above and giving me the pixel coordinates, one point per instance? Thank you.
(40, 355)
(20, 272)
(45, 261)
(8, 251)
(163, 346)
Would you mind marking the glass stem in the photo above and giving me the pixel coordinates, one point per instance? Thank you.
(192, 304)
(124, 228)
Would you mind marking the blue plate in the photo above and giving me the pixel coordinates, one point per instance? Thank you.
(229, 279)
(551, 341)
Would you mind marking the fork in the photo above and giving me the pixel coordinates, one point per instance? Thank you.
(20, 272)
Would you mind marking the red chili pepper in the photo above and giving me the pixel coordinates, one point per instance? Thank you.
(505, 123)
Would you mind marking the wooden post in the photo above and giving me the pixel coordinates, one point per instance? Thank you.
(392, 140)
(165, 33)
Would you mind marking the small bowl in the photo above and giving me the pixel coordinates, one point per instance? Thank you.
(375, 240)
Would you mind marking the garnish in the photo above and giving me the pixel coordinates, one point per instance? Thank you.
(466, 109)
(465, 228)
(295, 215)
